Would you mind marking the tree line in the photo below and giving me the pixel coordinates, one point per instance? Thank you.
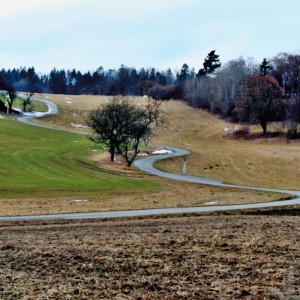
(239, 90)
(242, 91)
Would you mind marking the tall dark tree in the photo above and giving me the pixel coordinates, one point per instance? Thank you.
(210, 65)
(184, 74)
(265, 67)
(57, 82)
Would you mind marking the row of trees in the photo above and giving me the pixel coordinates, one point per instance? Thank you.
(239, 90)
(123, 81)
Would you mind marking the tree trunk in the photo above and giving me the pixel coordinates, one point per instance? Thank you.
(264, 127)
(9, 107)
(112, 153)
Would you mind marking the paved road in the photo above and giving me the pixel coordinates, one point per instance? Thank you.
(28, 116)
(146, 165)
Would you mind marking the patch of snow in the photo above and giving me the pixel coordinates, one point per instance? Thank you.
(33, 114)
(79, 125)
(67, 98)
(145, 96)
(227, 129)
(142, 154)
(69, 102)
(157, 152)
(79, 201)
(210, 203)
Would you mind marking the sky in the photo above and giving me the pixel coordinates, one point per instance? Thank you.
(87, 34)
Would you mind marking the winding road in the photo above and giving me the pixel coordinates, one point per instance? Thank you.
(146, 165)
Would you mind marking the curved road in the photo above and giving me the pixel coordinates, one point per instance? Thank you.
(146, 165)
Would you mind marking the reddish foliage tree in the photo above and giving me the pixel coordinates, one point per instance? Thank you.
(260, 101)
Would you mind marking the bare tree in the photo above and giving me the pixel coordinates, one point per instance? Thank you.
(12, 95)
(227, 85)
(122, 126)
(27, 100)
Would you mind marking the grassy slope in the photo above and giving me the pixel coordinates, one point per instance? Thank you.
(52, 164)
(265, 163)
(44, 171)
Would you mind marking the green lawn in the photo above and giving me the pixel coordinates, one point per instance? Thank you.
(39, 162)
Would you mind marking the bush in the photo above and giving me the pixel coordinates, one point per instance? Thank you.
(242, 133)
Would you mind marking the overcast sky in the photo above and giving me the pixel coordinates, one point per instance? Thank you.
(87, 34)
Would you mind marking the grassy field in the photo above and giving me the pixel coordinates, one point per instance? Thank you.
(49, 171)
(264, 162)
(253, 255)
(54, 171)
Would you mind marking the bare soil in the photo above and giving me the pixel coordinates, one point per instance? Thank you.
(242, 255)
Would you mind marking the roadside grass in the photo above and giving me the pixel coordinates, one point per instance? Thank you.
(34, 106)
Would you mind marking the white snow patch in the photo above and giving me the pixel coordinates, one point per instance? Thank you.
(142, 154)
(79, 125)
(79, 201)
(69, 102)
(33, 114)
(157, 152)
(67, 98)
(210, 203)
(227, 129)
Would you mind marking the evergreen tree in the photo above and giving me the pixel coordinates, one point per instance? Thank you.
(265, 67)
(211, 63)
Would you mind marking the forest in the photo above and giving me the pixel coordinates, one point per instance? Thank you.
(239, 90)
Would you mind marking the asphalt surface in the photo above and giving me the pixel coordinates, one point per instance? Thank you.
(146, 165)
(28, 116)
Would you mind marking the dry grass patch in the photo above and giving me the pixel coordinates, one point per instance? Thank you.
(213, 256)
(173, 194)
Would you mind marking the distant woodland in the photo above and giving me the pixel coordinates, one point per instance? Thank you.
(238, 90)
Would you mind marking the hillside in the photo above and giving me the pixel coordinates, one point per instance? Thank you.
(262, 162)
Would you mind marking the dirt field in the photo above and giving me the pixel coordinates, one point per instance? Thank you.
(244, 255)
